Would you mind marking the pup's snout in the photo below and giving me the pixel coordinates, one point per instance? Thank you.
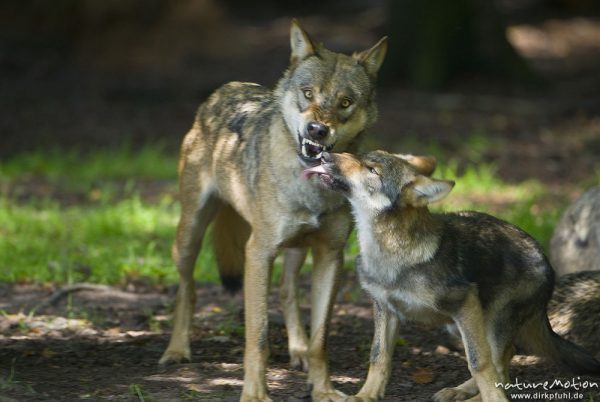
(316, 130)
(326, 157)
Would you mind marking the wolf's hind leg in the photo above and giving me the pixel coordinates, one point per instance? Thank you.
(502, 353)
(297, 339)
(198, 207)
(474, 332)
(230, 232)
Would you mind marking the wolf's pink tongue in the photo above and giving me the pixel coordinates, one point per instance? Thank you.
(308, 173)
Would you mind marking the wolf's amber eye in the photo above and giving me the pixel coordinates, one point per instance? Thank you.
(345, 103)
(308, 93)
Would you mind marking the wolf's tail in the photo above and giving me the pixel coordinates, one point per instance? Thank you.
(538, 337)
(230, 234)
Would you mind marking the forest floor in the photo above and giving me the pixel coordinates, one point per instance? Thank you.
(105, 345)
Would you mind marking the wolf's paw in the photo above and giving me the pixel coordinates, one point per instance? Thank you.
(174, 357)
(331, 395)
(360, 398)
(253, 398)
(452, 395)
(248, 398)
(299, 360)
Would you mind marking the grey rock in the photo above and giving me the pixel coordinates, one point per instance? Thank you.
(575, 245)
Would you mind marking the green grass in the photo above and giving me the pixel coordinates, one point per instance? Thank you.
(101, 243)
(115, 238)
(479, 188)
(104, 241)
(76, 171)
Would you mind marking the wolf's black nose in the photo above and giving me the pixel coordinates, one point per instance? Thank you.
(317, 131)
(326, 157)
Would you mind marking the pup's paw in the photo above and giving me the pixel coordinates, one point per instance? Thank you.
(452, 395)
(331, 395)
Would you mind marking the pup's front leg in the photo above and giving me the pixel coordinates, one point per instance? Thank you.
(386, 328)
(259, 257)
(327, 265)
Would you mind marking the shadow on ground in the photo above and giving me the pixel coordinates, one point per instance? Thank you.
(105, 344)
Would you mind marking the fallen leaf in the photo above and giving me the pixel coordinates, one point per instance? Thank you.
(422, 376)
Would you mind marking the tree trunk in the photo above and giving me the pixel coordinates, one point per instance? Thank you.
(432, 41)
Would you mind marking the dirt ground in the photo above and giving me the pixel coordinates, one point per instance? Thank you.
(105, 344)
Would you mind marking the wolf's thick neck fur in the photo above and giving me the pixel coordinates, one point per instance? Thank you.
(408, 235)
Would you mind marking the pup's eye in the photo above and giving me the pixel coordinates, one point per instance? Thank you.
(373, 170)
(345, 103)
(308, 93)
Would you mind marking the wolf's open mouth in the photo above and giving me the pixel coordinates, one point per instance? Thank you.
(312, 151)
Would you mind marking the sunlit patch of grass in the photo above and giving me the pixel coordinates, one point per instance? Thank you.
(479, 188)
(105, 243)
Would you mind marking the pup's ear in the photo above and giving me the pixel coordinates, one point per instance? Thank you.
(423, 164)
(301, 44)
(373, 58)
(425, 190)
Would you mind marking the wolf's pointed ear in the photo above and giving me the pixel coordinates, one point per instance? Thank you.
(425, 190)
(301, 44)
(373, 58)
(423, 164)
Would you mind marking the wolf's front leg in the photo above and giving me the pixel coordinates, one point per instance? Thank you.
(386, 328)
(327, 265)
(259, 257)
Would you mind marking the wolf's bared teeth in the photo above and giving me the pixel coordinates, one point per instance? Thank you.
(311, 149)
(304, 153)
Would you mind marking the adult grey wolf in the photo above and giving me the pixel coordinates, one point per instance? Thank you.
(468, 269)
(240, 168)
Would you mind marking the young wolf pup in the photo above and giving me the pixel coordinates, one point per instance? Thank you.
(486, 276)
(240, 167)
